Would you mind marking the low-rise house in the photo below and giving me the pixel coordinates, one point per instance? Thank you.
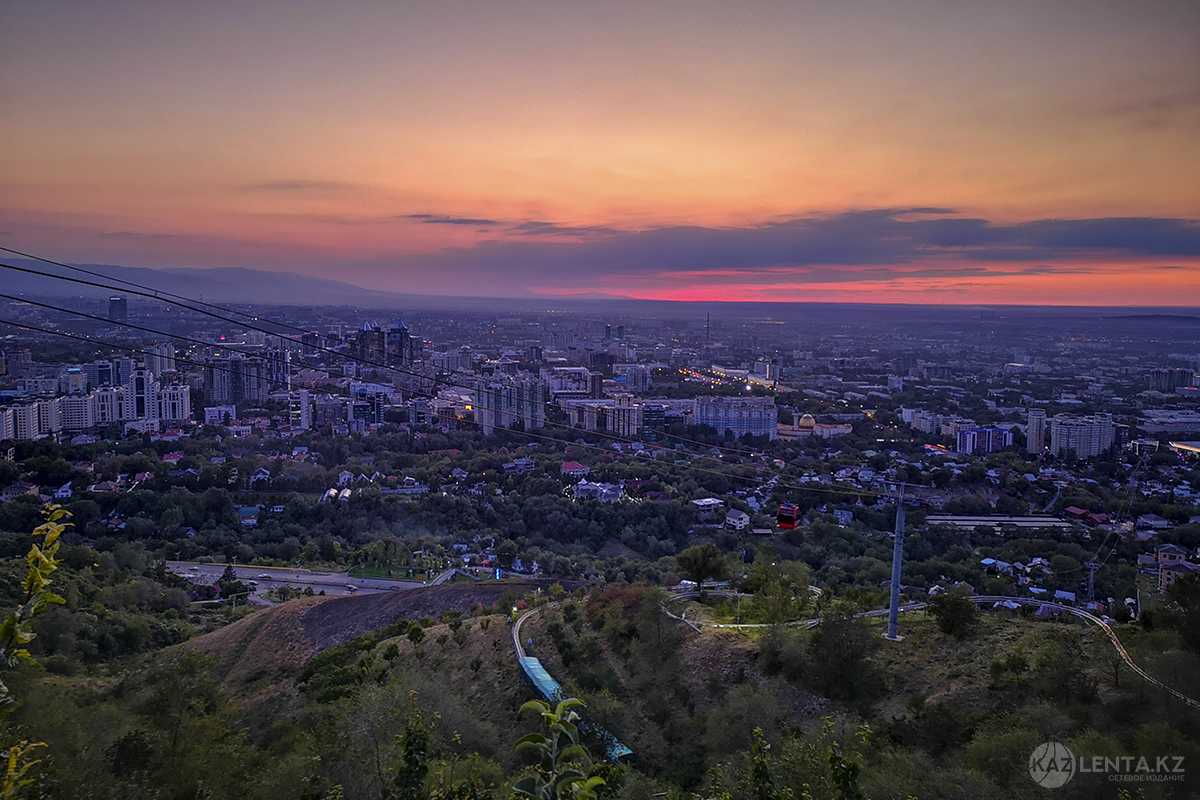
(408, 487)
(1153, 522)
(248, 516)
(519, 465)
(1170, 572)
(573, 469)
(709, 508)
(844, 516)
(603, 492)
(63, 492)
(736, 519)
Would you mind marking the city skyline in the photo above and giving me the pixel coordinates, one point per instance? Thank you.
(978, 154)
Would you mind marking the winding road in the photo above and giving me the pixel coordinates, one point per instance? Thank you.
(981, 599)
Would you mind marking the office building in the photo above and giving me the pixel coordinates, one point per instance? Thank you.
(73, 380)
(99, 373)
(122, 368)
(399, 344)
(636, 377)
(737, 416)
(1081, 436)
(118, 309)
(370, 345)
(1035, 432)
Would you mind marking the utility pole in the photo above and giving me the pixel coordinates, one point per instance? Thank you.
(897, 565)
(1092, 566)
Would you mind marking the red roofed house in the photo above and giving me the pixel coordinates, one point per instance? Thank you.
(574, 469)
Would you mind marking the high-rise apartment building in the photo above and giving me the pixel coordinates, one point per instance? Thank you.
(300, 410)
(110, 404)
(160, 358)
(78, 412)
(175, 403)
(982, 440)
(1035, 432)
(1081, 436)
(502, 402)
(1169, 379)
(738, 416)
(25, 421)
(141, 395)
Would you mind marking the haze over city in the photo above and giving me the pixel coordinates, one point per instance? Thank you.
(865, 152)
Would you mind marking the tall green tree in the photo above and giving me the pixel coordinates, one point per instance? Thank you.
(701, 562)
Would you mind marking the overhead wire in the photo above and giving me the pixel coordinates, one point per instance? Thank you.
(542, 437)
(167, 297)
(320, 348)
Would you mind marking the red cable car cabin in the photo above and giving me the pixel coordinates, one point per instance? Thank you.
(787, 517)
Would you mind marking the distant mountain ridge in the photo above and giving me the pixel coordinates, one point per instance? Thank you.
(217, 285)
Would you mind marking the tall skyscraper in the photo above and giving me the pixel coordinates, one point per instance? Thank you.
(502, 402)
(1035, 432)
(300, 410)
(99, 373)
(218, 381)
(141, 395)
(122, 368)
(160, 358)
(118, 308)
(370, 345)
(400, 346)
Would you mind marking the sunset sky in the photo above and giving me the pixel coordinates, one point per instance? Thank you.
(949, 152)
